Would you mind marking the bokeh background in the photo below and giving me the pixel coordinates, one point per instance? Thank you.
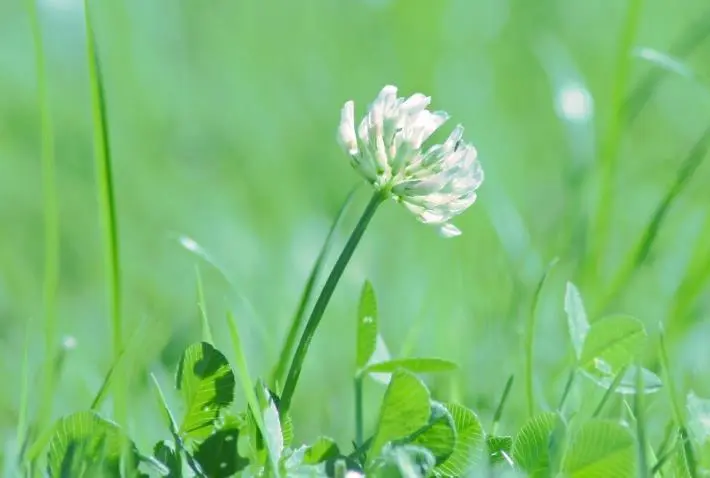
(222, 119)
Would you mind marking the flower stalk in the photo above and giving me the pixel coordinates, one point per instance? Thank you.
(324, 298)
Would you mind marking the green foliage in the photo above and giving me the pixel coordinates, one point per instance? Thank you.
(86, 445)
(206, 383)
(531, 448)
(499, 449)
(469, 442)
(601, 449)
(439, 436)
(405, 409)
(218, 456)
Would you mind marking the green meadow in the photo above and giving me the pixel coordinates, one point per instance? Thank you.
(173, 201)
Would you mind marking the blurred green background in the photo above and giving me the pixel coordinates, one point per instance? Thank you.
(222, 118)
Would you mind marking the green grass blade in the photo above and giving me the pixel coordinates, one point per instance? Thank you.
(609, 392)
(105, 185)
(640, 416)
(202, 305)
(640, 252)
(675, 406)
(51, 218)
(248, 385)
(284, 357)
(501, 404)
(612, 140)
(530, 339)
(22, 424)
(693, 282)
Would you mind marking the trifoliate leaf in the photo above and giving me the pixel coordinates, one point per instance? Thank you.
(206, 383)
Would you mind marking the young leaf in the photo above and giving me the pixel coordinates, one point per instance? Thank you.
(404, 461)
(414, 365)
(531, 446)
(366, 325)
(499, 448)
(601, 449)
(576, 318)
(612, 343)
(84, 442)
(218, 455)
(405, 409)
(206, 383)
(469, 442)
(272, 432)
(439, 435)
(323, 449)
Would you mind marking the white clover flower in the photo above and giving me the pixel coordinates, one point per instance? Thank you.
(435, 184)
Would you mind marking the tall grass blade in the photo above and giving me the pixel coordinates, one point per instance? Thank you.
(611, 144)
(202, 305)
(248, 385)
(22, 422)
(501, 404)
(530, 339)
(693, 282)
(51, 218)
(284, 357)
(105, 184)
(609, 392)
(640, 252)
(683, 434)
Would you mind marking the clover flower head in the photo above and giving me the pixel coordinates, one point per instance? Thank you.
(436, 183)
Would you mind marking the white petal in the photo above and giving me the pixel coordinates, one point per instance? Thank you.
(449, 230)
(346, 130)
(415, 103)
(454, 138)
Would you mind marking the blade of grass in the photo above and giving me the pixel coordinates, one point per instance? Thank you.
(530, 339)
(675, 406)
(278, 375)
(612, 140)
(202, 305)
(501, 404)
(51, 218)
(105, 186)
(22, 426)
(640, 252)
(568, 387)
(248, 385)
(609, 392)
(693, 282)
(172, 425)
(639, 414)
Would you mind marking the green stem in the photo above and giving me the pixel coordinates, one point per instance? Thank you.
(323, 299)
(102, 158)
(358, 411)
(51, 220)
